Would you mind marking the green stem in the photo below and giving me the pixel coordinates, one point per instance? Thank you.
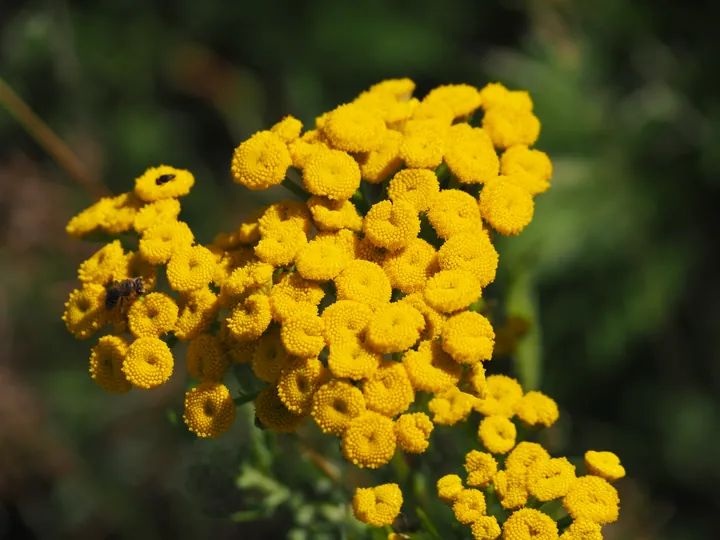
(246, 398)
(295, 189)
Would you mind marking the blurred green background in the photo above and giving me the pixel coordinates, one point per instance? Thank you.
(622, 247)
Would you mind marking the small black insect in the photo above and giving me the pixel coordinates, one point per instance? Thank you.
(164, 179)
(120, 290)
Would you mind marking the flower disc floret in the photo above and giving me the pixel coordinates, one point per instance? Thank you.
(294, 293)
(497, 434)
(508, 125)
(351, 359)
(451, 290)
(298, 383)
(423, 143)
(431, 369)
(345, 319)
(286, 212)
(392, 225)
(270, 357)
(470, 155)
(416, 186)
(323, 258)
(331, 173)
(153, 315)
(249, 320)
(105, 265)
(335, 404)
(302, 334)
(378, 506)
(280, 244)
(197, 311)
(451, 406)
(481, 468)
(529, 169)
(388, 391)
(410, 268)
(550, 479)
(529, 524)
(149, 363)
(413, 431)
(352, 128)
(468, 337)
(469, 506)
(163, 182)
(364, 282)
(85, 310)
(470, 251)
(592, 498)
(537, 409)
(190, 269)
(511, 489)
(505, 206)
(261, 161)
(382, 163)
(503, 395)
(604, 464)
(159, 242)
(209, 410)
(206, 361)
(106, 363)
(523, 456)
(334, 215)
(394, 328)
(452, 212)
(272, 413)
(369, 440)
(486, 528)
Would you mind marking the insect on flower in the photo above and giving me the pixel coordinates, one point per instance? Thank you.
(127, 288)
(164, 179)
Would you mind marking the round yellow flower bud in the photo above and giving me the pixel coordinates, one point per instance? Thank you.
(468, 337)
(190, 269)
(529, 524)
(206, 361)
(363, 282)
(451, 290)
(280, 244)
(163, 182)
(298, 383)
(462, 99)
(352, 128)
(452, 212)
(470, 155)
(272, 413)
(335, 404)
(481, 468)
(415, 186)
(85, 310)
(302, 334)
(469, 506)
(209, 410)
(550, 479)
(604, 464)
(503, 395)
(394, 328)
(509, 125)
(431, 369)
(388, 390)
(451, 407)
(410, 268)
(485, 528)
(148, 363)
(593, 498)
(159, 242)
(351, 359)
(537, 409)
(378, 506)
(529, 169)
(382, 163)
(261, 161)
(332, 174)
(449, 487)
(153, 315)
(288, 129)
(413, 431)
(249, 320)
(269, 357)
(156, 212)
(323, 258)
(369, 440)
(472, 252)
(507, 207)
(106, 363)
(392, 225)
(106, 264)
(197, 311)
(498, 434)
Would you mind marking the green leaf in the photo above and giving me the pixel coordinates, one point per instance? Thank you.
(522, 302)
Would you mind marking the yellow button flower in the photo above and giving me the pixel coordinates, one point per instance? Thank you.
(592, 498)
(398, 88)
(451, 290)
(485, 528)
(286, 212)
(392, 225)
(302, 334)
(550, 479)
(288, 129)
(423, 144)
(419, 187)
(434, 320)
(529, 524)
(452, 212)
(470, 155)
(509, 125)
(106, 363)
(149, 363)
(153, 315)
(121, 212)
(226, 262)
(305, 147)
(156, 212)
(469, 506)
(249, 320)
(352, 128)
(280, 244)
(334, 215)
(497, 434)
(197, 311)
(410, 268)
(537, 409)
(495, 94)
(437, 110)
(481, 468)
(239, 352)
(369, 440)
(136, 266)
(190, 269)
(293, 293)
(470, 251)
(604, 464)
(298, 383)
(363, 282)
(510, 488)
(350, 358)
(378, 506)
(345, 319)
(367, 251)
(332, 174)
(85, 310)
(209, 410)
(206, 361)
(261, 161)
(394, 328)
(503, 395)
(462, 99)
(413, 431)
(270, 357)
(523, 456)
(451, 407)
(335, 404)
(530, 169)
(468, 337)
(249, 230)
(583, 529)
(272, 413)
(388, 391)
(159, 242)
(507, 207)
(106, 264)
(90, 219)
(477, 380)
(246, 280)
(383, 162)
(163, 182)
(323, 258)
(449, 487)
(431, 369)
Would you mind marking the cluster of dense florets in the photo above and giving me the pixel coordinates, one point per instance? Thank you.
(348, 302)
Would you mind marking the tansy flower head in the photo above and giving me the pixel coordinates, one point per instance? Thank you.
(382, 163)
(434, 320)
(369, 440)
(550, 479)
(378, 506)
(323, 258)
(335, 404)
(120, 213)
(352, 128)
(261, 161)
(249, 320)
(477, 380)
(163, 182)
(583, 529)
(435, 110)
(136, 266)
(280, 244)
(85, 310)
(485, 528)
(469, 506)
(367, 251)
(288, 129)
(507, 207)
(106, 363)
(298, 383)
(468, 337)
(593, 498)
(293, 212)
(470, 155)
(423, 144)
(206, 361)
(190, 269)
(209, 410)
(495, 94)
(226, 262)
(388, 391)
(105, 265)
(524, 455)
(413, 431)
(392, 225)
(470, 251)
(604, 464)
(345, 319)
(451, 290)
(302, 334)
(293, 293)
(400, 89)
(334, 215)
(197, 311)
(363, 282)
(350, 358)
(159, 242)
(156, 212)
(537, 409)
(249, 230)
(273, 414)
(269, 357)
(239, 352)
(510, 488)
(508, 125)
(332, 174)
(481, 468)
(451, 407)
(153, 315)
(529, 169)
(245, 281)
(529, 524)
(394, 328)
(449, 487)
(452, 212)
(148, 363)
(416, 186)
(497, 434)
(431, 369)
(503, 395)
(89, 220)
(410, 268)
(462, 99)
